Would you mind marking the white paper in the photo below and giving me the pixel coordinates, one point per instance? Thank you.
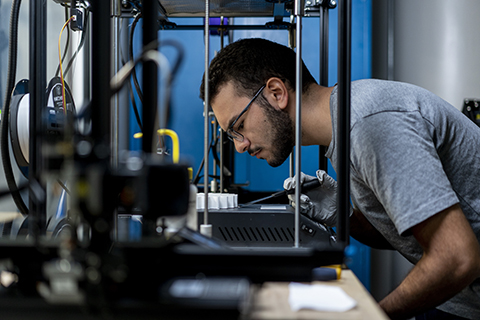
(319, 297)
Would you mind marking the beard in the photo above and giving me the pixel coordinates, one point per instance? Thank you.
(282, 132)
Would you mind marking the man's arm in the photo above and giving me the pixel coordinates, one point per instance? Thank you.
(362, 230)
(450, 262)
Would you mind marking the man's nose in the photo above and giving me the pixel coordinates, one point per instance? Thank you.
(242, 146)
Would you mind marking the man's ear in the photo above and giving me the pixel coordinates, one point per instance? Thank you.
(276, 93)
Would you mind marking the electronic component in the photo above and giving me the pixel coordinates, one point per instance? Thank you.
(269, 225)
(77, 21)
(471, 108)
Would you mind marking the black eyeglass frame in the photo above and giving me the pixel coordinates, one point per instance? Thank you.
(235, 135)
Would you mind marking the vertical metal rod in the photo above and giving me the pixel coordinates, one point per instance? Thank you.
(214, 184)
(205, 109)
(323, 161)
(390, 40)
(222, 164)
(343, 118)
(115, 120)
(291, 165)
(324, 19)
(222, 160)
(37, 85)
(150, 81)
(298, 116)
(116, 99)
(291, 44)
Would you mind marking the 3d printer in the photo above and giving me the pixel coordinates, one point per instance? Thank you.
(84, 264)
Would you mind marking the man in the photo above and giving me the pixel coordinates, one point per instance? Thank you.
(415, 164)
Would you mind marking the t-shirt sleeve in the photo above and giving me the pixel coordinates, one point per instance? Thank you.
(394, 154)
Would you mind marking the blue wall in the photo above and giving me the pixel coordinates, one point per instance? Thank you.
(187, 112)
(187, 117)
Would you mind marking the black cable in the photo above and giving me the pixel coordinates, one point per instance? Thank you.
(132, 99)
(80, 46)
(4, 193)
(134, 73)
(197, 177)
(134, 106)
(180, 55)
(12, 65)
(214, 144)
(135, 5)
(64, 187)
(67, 44)
(151, 46)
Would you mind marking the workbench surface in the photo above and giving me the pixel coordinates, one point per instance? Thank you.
(271, 302)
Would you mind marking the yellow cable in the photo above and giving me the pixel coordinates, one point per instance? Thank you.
(60, 59)
(176, 144)
(175, 141)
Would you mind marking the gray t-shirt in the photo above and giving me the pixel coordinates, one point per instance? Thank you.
(412, 156)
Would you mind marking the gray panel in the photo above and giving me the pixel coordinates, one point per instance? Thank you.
(436, 47)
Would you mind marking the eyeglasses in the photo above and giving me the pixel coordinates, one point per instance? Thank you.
(235, 135)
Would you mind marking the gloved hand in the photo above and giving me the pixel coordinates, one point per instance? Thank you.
(319, 204)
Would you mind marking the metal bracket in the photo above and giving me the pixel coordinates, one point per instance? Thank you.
(330, 4)
(278, 14)
(312, 7)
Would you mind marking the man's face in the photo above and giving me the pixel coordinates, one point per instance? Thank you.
(268, 131)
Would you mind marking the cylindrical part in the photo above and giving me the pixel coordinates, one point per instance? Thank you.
(116, 8)
(206, 230)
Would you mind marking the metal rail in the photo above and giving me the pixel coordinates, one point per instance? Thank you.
(343, 119)
(205, 109)
(37, 85)
(298, 116)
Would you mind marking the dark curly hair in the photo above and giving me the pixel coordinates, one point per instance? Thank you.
(250, 63)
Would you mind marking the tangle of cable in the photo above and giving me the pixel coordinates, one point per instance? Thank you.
(80, 46)
(66, 46)
(60, 61)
